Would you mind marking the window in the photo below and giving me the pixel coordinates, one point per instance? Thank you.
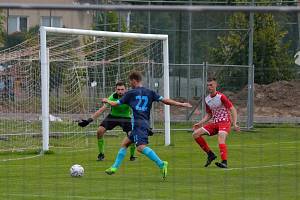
(54, 22)
(23, 24)
(17, 24)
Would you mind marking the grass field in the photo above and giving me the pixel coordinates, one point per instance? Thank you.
(264, 164)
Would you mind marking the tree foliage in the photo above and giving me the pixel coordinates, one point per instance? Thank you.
(270, 51)
(109, 21)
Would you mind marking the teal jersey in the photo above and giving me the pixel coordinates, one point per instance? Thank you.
(121, 110)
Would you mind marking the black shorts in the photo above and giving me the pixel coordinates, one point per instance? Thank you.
(111, 122)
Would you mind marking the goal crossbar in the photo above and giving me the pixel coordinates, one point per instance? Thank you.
(45, 71)
(160, 8)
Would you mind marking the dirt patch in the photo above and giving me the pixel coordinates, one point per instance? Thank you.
(278, 99)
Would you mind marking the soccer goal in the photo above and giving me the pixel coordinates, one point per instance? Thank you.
(63, 73)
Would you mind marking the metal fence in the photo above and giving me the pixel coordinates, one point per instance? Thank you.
(194, 31)
(188, 82)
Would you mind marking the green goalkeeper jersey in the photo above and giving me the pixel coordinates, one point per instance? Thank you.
(119, 111)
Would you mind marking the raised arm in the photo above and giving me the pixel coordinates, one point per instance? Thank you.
(98, 112)
(85, 122)
(112, 103)
(172, 102)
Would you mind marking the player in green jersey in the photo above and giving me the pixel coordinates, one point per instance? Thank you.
(119, 116)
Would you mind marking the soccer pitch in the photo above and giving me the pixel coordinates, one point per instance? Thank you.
(263, 164)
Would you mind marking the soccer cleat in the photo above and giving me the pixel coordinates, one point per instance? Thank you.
(222, 164)
(100, 157)
(210, 158)
(111, 170)
(164, 170)
(132, 158)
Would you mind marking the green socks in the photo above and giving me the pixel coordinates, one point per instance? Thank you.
(132, 149)
(101, 145)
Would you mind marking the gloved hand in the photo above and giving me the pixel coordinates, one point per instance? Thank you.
(150, 132)
(85, 122)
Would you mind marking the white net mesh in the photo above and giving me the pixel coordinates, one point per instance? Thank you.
(19, 100)
(82, 70)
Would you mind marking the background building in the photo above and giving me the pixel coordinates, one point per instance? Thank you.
(21, 20)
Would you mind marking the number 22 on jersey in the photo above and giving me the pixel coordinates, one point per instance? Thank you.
(142, 103)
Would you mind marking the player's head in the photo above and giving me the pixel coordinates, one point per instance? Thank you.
(212, 85)
(135, 79)
(120, 88)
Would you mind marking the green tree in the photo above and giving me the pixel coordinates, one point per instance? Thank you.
(109, 21)
(270, 55)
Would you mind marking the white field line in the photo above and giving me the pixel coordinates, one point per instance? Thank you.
(35, 156)
(239, 168)
(262, 144)
(263, 166)
(79, 150)
(22, 158)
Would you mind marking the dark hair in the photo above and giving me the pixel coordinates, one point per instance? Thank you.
(135, 75)
(120, 83)
(211, 79)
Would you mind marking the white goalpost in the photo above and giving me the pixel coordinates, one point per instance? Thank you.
(96, 58)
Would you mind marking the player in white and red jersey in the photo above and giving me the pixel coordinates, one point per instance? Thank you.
(218, 108)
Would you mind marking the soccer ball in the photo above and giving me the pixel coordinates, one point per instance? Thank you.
(76, 170)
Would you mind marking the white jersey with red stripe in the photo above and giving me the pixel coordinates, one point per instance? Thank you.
(218, 106)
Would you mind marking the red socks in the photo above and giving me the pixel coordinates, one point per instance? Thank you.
(223, 148)
(202, 143)
(223, 151)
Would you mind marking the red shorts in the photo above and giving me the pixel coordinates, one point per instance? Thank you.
(214, 128)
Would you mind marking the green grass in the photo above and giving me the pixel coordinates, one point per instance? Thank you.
(264, 164)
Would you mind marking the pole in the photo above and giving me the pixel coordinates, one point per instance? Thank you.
(250, 73)
(166, 91)
(45, 88)
(189, 61)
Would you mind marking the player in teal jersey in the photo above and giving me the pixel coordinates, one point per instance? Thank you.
(140, 99)
(119, 116)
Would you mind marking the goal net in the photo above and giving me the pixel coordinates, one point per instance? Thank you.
(52, 80)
